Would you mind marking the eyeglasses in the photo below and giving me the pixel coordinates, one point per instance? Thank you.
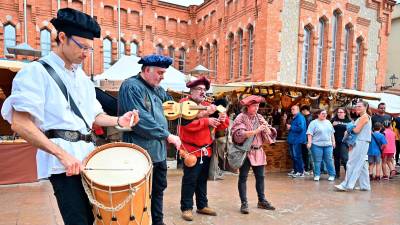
(340, 112)
(83, 48)
(200, 89)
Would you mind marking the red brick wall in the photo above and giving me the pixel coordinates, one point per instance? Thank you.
(208, 23)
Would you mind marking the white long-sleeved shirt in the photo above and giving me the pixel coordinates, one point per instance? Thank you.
(35, 91)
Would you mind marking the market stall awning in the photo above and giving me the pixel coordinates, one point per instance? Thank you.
(242, 86)
(392, 102)
(12, 65)
(359, 94)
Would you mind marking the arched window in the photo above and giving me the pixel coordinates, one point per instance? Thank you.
(121, 48)
(9, 37)
(335, 24)
(201, 55)
(182, 60)
(320, 50)
(231, 52)
(305, 59)
(159, 49)
(358, 59)
(215, 48)
(106, 53)
(251, 50)
(208, 56)
(45, 41)
(240, 53)
(171, 53)
(134, 48)
(346, 54)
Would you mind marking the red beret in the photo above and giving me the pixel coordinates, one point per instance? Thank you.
(252, 99)
(202, 80)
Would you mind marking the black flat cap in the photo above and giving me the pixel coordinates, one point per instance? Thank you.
(76, 23)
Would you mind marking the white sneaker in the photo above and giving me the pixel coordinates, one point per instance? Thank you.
(316, 178)
(331, 178)
(361, 189)
(306, 173)
(340, 188)
(291, 173)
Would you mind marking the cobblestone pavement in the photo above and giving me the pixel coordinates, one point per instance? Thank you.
(298, 201)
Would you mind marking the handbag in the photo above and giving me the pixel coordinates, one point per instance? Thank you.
(238, 153)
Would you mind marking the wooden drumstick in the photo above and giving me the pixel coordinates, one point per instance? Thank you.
(89, 168)
(132, 118)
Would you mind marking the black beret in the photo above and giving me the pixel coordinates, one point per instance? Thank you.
(76, 23)
(156, 60)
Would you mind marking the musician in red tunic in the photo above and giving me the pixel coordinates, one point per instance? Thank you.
(197, 138)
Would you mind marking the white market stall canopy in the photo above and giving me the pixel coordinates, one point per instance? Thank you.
(391, 101)
(128, 66)
(12, 65)
(241, 86)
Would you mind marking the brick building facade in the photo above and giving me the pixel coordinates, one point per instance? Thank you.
(326, 43)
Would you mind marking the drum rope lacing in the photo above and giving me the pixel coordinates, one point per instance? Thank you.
(132, 192)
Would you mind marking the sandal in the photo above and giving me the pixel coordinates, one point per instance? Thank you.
(393, 173)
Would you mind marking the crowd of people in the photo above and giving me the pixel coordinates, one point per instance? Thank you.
(53, 106)
(333, 143)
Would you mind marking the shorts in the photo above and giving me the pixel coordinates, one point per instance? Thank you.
(376, 159)
(388, 155)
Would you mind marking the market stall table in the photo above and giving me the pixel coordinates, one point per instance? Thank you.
(17, 162)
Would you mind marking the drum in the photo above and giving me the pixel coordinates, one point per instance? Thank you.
(117, 179)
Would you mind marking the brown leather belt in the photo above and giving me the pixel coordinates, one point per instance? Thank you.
(255, 148)
(68, 135)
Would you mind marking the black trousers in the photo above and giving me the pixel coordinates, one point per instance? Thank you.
(194, 181)
(340, 156)
(72, 200)
(157, 192)
(397, 151)
(306, 157)
(259, 175)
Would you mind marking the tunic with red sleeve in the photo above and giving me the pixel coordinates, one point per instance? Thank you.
(197, 133)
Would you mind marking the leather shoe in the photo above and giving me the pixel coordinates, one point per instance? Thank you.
(265, 205)
(187, 215)
(244, 208)
(207, 211)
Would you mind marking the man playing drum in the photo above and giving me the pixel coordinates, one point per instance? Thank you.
(143, 92)
(197, 139)
(47, 117)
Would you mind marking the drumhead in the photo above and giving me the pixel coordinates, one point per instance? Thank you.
(117, 166)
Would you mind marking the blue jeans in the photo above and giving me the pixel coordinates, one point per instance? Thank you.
(323, 153)
(297, 157)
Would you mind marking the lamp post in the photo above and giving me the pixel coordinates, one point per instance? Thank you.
(393, 81)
